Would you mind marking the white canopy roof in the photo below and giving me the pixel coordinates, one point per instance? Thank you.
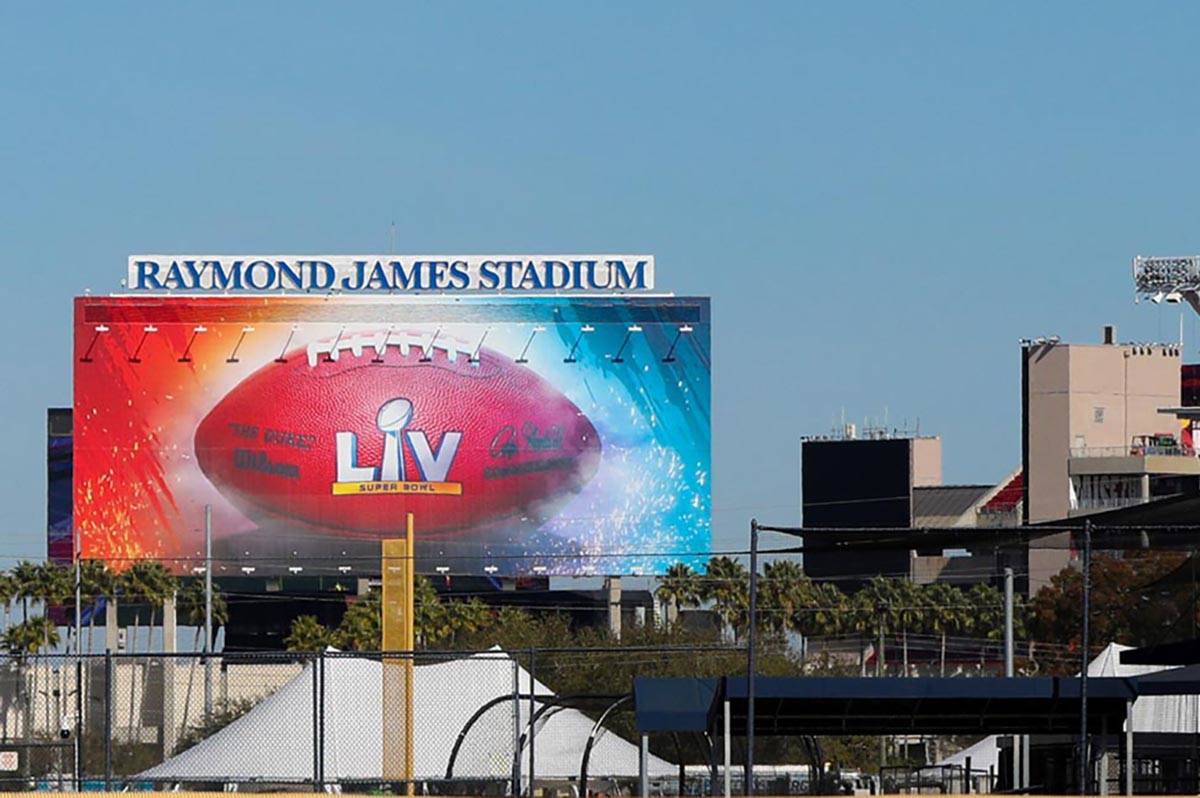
(1169, 713)
(273, 742)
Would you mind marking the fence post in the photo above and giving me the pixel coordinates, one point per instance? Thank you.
(321, 725)
(532, 711)
(108, 720)
(516, 767)
(78, 719)
(316, 729)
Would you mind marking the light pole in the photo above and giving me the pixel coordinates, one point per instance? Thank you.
(1083, 669)
(750, 657)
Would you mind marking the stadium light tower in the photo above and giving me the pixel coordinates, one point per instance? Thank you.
(1167, 279)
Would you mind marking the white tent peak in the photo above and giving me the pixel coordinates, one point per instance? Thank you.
(273, 742)
(1150, 713)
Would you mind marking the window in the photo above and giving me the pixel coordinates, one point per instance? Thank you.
(1098, 414)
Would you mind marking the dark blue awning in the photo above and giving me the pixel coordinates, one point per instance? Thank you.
(817, 705)
(675, 705)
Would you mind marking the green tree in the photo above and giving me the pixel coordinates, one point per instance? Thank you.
(823, 612)
(8, 591)
(96, 581)
(307, 634)
(192, 607)
(146, 582)
(726, 584)
(678, 587)
(25, 577)
(361, 628)
(946, 608)
(908, 612)
(782, 591)
(31, 636)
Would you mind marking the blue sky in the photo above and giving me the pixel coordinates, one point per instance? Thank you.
(880, 198)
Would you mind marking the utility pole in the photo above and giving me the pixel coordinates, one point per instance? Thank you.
(208, 628)
(1009, 670)
(1084, 646)
(750, 657)
(78, 665)
(1008, 622)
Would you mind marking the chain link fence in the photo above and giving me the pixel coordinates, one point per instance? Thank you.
(480, 723)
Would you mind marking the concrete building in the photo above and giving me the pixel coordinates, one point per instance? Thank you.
(892, 479)
(1093, 436)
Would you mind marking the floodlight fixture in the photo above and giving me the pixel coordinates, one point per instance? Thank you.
(343, 569)
(1170, 278)
(233, 358)
(682, 331)
(286, 344)
(584, 330)
(329, 356)
(147, 331)
(187, 350)
(490, 569)
(629, 331)
(525, 350)
(248, 569)
(426, 355)
(87, 355)
(474, 357)
(295, 569)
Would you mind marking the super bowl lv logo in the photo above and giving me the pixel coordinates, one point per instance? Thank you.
(389, 476)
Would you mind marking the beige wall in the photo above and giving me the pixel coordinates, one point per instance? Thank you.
(1093, 396)
(926, 462)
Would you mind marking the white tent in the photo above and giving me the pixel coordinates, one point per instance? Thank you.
(1171, 713)
(273, 742)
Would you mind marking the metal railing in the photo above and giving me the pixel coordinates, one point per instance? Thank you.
(1133, 451)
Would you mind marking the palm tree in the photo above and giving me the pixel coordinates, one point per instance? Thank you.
(307, 634)
(145, 581)
(862, 617)
(149, 582)
(945, 609)
(22, 641)
(25, 578)
(8, 591)
(361, 628)
(907, 611)
(678, 587)
(821, 613)
(192, 605)
(988, 609)
(29, 637)
(468, 617)
(784, 587)
(53, 585)
(430, 618)
(96, 582)
(727, 585)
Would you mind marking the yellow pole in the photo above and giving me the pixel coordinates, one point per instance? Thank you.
(410, 645)
(398, 636)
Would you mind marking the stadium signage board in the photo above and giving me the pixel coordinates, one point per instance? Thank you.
(368, 274)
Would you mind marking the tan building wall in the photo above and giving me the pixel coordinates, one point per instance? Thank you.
(1088, 396)
(926, 462)
(1091, 397)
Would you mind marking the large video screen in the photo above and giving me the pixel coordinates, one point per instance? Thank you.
(59, 541)
(539, 435)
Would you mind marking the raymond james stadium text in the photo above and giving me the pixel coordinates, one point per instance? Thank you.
(388, 274)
